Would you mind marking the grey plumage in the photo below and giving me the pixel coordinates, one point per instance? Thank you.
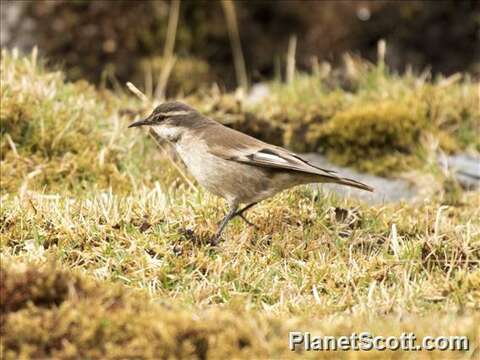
(233, 165)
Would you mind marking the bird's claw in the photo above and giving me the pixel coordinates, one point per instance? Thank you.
(215, 240)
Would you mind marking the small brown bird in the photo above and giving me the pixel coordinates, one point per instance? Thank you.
(233, 165)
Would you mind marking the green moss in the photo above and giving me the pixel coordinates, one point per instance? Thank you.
(453, 111)
(376, 137)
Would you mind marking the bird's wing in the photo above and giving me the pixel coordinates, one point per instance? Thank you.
(233, 145)
(274, 157)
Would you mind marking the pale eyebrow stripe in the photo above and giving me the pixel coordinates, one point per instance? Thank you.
(176, 113)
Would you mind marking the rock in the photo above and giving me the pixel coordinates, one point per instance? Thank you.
(465, 168)
(257, 93)
(386, 190)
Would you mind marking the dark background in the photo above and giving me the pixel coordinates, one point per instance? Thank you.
(104, 39)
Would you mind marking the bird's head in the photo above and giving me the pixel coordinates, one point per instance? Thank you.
(170, 119)
(170, 112)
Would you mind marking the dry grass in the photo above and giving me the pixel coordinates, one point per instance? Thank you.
(154, 240)
(116, 262)
(59, 314)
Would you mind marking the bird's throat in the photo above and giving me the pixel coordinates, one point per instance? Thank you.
(170, 133)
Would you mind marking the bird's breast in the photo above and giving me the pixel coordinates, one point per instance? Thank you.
(229, 179)
(204, 166)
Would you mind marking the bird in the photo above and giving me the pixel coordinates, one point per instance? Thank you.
(230, 164)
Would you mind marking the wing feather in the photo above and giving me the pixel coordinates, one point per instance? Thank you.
(233, 145)
(270, 157)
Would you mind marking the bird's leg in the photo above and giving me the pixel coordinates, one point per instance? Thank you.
(241, 211)
(231, 213)
(248, 222)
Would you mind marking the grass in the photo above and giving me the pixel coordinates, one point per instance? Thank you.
(109, 257)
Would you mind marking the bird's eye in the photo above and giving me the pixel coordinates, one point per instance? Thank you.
(159, 117)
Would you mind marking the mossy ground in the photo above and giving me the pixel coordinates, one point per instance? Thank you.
(104, 251)
(369, 118)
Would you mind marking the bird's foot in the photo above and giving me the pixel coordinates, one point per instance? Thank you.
(215, 239)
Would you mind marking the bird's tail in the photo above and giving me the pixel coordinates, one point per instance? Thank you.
(353, 183)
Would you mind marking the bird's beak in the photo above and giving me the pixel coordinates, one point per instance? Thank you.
(139, 123)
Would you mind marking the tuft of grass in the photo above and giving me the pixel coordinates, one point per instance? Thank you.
(375, 138)
(188, 74)
(65, 136)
